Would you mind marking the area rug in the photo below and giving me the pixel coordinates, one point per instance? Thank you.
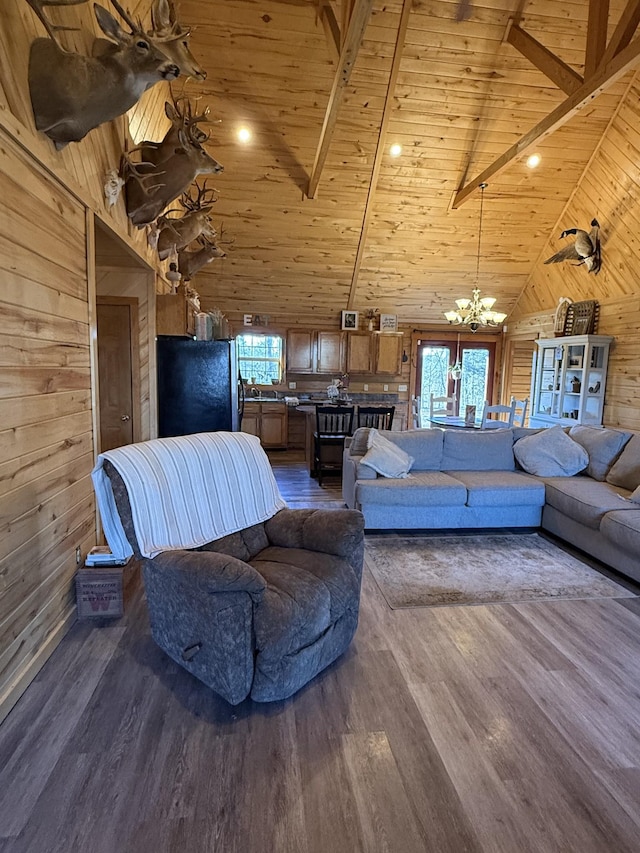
(426, 571)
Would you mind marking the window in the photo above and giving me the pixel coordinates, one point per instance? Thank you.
(260, 358)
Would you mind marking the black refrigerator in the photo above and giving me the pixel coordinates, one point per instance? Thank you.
(199, 386)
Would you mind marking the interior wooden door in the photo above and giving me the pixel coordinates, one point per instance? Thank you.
(118, 370)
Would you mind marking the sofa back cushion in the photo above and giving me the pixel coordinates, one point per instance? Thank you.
(625, 471)
(602, 445)
(424, 445)
(477, 450)
(385, 457)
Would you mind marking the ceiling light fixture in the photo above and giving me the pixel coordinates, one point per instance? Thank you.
(533, 160)
(476, 312)
(244, 134)
(395, 150)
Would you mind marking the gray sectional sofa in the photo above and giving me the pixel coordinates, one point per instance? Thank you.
(473, 479)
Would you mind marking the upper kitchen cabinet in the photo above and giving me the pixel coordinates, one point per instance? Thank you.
(300, 353)
(387, 353)
(359, 352)
(330, 352)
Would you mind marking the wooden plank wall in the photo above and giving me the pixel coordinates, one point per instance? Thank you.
(46, 439)
(610, 191)
(47, 286)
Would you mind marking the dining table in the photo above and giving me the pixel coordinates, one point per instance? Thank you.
(454, 422)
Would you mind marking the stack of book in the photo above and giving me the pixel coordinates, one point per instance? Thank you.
(100, 555)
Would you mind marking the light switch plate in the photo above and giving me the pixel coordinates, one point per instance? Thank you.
(402, 387)
(385, 387)
(292, 386)
(365, 387)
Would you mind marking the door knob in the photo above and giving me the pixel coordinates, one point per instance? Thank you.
(125, 418)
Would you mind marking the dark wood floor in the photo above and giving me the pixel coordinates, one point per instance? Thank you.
(510, 728)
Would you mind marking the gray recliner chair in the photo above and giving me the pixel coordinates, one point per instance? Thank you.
(259, 612)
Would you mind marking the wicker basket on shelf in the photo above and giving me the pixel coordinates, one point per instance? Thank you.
(582, 318)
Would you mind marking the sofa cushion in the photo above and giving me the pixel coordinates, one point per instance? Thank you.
(625, 471)
(385, 457)
(623, 528)
(551, 453)
(477, 450)
(501, 488)
(420, 488)
(296, 608)
(602, 445)
(425, 445)
(583, 499)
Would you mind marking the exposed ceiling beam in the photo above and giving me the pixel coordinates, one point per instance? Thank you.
(380, 148)
(551, 66)
(352, 42)
(605, 77)
(331, 28)
(596, 35)
(623, 33)
(346, 9)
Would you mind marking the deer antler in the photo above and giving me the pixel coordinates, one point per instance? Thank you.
(37, 6)
(204, 198)
(136, 26)
(130, 169)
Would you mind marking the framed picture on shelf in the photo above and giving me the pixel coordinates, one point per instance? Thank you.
(388, 322)
(349, 320)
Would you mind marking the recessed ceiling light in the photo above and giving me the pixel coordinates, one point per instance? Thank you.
(395, 150)
(244, 134)
(533, 160)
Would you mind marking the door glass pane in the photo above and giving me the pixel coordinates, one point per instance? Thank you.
(473, 382)
(435, 377)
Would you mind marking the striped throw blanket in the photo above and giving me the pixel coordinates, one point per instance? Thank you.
(187, 491)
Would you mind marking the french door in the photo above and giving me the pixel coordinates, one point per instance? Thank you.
(471, 384)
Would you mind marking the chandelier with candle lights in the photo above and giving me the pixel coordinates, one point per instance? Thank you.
(476, 312)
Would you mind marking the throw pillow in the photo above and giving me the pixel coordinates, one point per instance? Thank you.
(359, 441)
(602, 445)
(625, 471)
(385, 457)
(551, 453)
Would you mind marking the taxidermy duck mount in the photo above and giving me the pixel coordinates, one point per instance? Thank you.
(585, 249)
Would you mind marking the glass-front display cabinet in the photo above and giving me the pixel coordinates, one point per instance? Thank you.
(569, 381)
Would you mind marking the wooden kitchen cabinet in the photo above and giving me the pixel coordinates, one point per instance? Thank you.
(267, 420)
(315, 352)
(175, 314)
(359, 352)
(387, 356)
(300, 350)
(330, 352)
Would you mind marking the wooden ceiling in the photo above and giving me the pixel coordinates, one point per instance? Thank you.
(396, 234)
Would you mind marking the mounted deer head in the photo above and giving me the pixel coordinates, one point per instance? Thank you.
(175, 234)
(71, 93)
(150, 187)
(190, 262)
(175, 38)
(180, 114)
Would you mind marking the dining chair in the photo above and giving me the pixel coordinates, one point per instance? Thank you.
(380, 417)
(333, 425)
(520, 412)
(498, 422)
(441, 406)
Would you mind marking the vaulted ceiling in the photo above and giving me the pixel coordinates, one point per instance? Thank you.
(323, 218)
